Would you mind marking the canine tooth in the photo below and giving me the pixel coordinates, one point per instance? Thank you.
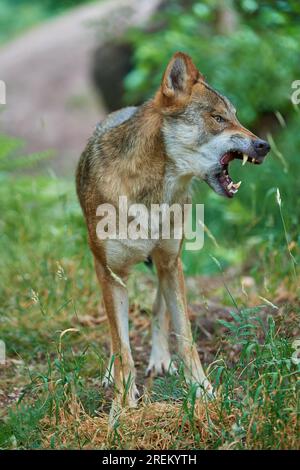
(237, 185)
(253, 160)
(230, 185)
(245, 159)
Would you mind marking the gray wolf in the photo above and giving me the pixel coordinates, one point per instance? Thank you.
(150, 154)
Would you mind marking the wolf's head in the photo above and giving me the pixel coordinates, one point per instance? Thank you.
(200, 128)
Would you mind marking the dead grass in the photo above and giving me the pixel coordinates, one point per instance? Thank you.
(161, 426)
(158, 426)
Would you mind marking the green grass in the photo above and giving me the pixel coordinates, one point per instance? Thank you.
(49, 286)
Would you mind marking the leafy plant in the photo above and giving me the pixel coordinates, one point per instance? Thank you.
(253, 81)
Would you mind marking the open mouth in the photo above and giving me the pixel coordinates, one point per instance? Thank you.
(225, 181)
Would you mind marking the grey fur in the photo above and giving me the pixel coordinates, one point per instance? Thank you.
(115, 119)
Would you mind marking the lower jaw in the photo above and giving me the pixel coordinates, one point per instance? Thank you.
(225, 193)
(220, 189)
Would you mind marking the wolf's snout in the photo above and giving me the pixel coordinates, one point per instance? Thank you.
(261, 147)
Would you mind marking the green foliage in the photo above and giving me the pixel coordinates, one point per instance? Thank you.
(10, 160)
(38, 228)
(254, 65)
(266, 375)
(16, 17)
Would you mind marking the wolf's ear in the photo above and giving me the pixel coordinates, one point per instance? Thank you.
(180, 75)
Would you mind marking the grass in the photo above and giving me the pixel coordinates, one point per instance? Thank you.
(56, 340)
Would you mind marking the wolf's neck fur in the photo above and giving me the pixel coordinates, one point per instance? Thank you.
(135, 162)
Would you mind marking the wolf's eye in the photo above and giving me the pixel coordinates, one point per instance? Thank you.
(219, 119)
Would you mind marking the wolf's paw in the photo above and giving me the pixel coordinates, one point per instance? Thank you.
(204, 389)
(118, 407)
(160, 363)
(132, 397)
(122, 401)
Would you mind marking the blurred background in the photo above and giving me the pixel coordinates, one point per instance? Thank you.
(66, 64)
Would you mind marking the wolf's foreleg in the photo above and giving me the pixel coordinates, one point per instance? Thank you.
(116, 304)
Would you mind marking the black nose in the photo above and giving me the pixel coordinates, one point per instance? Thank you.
(261, 147)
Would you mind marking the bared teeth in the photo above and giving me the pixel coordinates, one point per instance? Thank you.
(253, 160)
(233, 187)
(233, 190)
(245, 159)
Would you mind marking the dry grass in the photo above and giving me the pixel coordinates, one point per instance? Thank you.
(171, 424)
(156, 426)
(161, 426)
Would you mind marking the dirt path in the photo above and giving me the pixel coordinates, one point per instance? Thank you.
(50, 100)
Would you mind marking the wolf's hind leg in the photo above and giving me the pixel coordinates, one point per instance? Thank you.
(160, 358)
(171, 277)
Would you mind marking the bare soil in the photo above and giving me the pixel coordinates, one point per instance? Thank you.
(50, 100)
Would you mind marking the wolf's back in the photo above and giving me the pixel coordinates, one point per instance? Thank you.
(93, 151)
(115, 119)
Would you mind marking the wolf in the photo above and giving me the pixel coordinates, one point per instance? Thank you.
(150, 154)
